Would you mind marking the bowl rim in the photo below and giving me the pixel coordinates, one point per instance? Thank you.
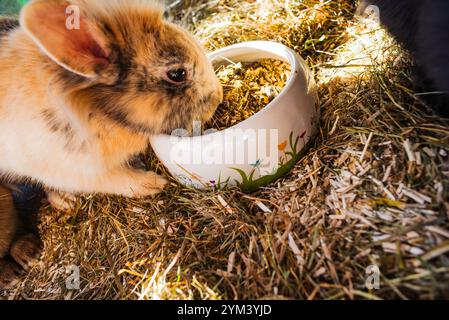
(268, 46)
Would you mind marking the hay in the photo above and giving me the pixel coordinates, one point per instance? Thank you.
(247, 89)
(373, 191)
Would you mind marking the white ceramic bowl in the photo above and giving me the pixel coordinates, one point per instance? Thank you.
(259, 150)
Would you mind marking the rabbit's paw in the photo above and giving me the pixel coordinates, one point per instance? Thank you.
(26, 251)
(148, 184)
(61, 200)
(10, 273)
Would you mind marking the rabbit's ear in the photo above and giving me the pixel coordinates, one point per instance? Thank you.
(68, 38)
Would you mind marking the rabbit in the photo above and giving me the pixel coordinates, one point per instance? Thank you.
(8, 221)
(19, 248)
(421, 27)
(84, 84)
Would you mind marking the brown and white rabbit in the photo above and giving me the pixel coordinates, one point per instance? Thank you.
(18, 248)
(77, 101)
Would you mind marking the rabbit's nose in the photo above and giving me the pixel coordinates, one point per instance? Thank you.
(219, 93)
(217, 101)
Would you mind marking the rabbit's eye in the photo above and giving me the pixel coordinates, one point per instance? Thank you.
(177, 75)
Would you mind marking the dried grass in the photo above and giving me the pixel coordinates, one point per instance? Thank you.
(372, 191)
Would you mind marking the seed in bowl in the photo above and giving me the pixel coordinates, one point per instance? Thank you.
(247, 89)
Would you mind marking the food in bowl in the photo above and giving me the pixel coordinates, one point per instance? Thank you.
(248, 88)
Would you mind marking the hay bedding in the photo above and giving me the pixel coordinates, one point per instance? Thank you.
(372, 191)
